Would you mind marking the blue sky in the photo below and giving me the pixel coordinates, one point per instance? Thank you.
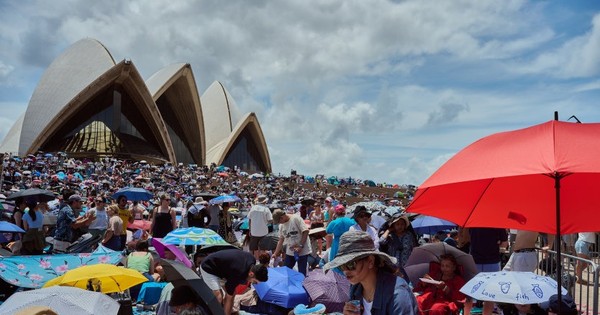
(376, 89)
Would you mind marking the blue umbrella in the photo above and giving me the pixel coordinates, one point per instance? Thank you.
(425, 224)
(284, 288)
(225, 198)
(133, 193)
(7, 227)
(193, 236)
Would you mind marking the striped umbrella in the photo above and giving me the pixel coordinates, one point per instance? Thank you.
(331, 289)
(193, 236)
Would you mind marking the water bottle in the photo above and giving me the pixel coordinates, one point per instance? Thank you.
(296, 255)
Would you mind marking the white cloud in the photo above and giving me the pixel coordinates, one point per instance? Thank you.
(577, 57)
(386, 90)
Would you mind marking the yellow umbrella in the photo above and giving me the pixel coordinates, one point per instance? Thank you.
(109, 278)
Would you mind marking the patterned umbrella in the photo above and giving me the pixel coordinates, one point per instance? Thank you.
(62, 300)
(331, 289)
(513, 287)
(193, 236)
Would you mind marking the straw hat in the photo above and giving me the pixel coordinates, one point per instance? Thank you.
(356, 245)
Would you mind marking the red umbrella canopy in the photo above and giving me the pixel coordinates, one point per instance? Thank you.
(510, 180)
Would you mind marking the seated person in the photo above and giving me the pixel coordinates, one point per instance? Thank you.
(443, 297)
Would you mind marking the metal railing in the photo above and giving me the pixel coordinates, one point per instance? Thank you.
(585, 295)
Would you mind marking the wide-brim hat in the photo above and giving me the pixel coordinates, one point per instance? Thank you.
(355, 245)
(397, 217)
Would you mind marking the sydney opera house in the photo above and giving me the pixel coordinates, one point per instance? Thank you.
(87, 105)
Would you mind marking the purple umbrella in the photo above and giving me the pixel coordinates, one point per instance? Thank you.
(160, 248)
(331, 289)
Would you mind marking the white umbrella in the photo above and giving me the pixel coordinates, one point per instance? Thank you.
(62, 300)
(515, 287)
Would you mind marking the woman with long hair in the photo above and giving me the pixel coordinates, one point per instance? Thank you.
(33, 224)
(163, 218)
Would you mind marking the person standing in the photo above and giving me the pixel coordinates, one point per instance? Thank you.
(293, 232)
(525, 256)
(125, 214)
(397, 239)
(99, 217)
(213, 211)
(66, 222)
(197, 215)
(362, 217)
(226, 225)
(235, 267)
(163, 218)
(485, 249)
(585, 241)
(113, 235)
(338, 226)
(259, 218)
(33, 240)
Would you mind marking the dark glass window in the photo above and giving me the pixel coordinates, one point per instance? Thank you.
(108, 124)
(245, 154)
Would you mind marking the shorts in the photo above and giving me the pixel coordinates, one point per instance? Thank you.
(488, 267)
(526, 261)
(212, 281)
(583, 247)
(254, 240)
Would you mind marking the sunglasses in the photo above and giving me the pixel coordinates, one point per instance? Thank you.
(351, 266)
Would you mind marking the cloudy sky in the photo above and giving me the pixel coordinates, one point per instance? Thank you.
(382, 90)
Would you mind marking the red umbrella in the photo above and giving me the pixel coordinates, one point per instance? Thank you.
(542, 178)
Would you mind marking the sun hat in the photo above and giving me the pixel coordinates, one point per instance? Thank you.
(360, 210)
(567, 306)
(356, 245)
(397, 217)
(198, 200)
(262, 199)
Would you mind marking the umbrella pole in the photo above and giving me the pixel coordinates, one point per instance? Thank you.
(557, 178)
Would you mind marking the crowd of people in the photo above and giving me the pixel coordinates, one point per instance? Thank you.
(313, 226)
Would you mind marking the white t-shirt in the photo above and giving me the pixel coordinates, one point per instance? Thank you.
(101, 221)
(259, 216)
(291, 231)
(367, 307)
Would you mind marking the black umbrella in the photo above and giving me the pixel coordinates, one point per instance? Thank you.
(269, 241)
(179, 274)
(33, 194)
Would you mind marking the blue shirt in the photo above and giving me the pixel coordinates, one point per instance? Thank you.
(392, 296)
(65, 218)
(338, 227)
(39, 219)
